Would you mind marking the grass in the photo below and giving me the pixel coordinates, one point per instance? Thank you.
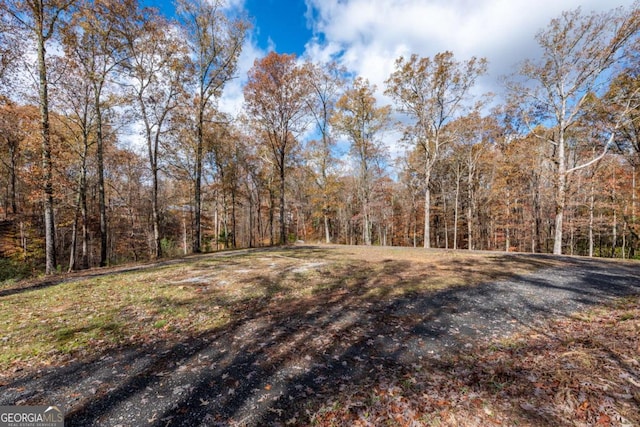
(518, 380)
(44, 323)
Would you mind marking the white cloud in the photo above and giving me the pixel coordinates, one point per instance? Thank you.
(368, 35)
(232, 98)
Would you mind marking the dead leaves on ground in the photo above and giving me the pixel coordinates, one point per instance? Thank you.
(575, 372)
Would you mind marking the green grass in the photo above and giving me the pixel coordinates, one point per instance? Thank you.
(13, 270)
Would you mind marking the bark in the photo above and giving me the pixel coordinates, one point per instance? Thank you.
(197, 219)
(446, 224)
(47, 167)
(283, 228)
(427, 210)
(104, 232)
(470, 206)
(155, 214)
(13, 154)
(327, 235)
(591, 208)
(561, 196)
(74, 238)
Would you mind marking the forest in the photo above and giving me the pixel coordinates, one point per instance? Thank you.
(114, 148)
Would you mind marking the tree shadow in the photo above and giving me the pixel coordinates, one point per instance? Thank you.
(278, 359)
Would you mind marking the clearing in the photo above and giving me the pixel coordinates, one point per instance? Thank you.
(330, 335)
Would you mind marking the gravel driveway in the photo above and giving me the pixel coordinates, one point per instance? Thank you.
(264, 367)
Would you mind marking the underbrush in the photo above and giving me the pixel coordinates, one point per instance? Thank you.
(13, 270)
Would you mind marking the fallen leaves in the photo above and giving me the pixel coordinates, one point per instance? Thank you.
(525, 380)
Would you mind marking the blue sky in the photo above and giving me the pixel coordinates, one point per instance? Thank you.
(281, 24)
(366, 36)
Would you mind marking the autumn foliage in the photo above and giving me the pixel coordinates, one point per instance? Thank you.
(121, 154)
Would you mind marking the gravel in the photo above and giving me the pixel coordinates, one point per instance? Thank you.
(263, 369)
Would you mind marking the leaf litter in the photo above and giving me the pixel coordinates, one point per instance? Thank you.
(346, 336)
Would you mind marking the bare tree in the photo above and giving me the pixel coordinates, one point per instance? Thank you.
(326, 83)
(215, 42)
(431, 92)
(41, 18)
(362, 122)
(579, 53)
(155, 69)
(94, 40)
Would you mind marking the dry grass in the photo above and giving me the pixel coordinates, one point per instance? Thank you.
(581, 371)
(46, 323)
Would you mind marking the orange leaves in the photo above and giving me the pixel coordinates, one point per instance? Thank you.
(276, 96)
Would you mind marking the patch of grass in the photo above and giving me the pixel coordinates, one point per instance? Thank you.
(12, 270)
(627, 316)
(160, 323)
(44, 324)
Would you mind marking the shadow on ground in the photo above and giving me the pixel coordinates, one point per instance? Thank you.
(281, 360)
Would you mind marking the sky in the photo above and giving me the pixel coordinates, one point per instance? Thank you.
(366, 36)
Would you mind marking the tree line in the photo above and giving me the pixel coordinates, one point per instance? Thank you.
(550, 168)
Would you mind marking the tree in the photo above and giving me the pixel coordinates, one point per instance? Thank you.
(624, 95)
(579, 52)
(358, 118)
(14, 129)
(11, 48)
(277, 98)
(431, 92)
(472, 135)
(74, 99)
(225, 154)
(41, 18)
(94, 40)
(155, 69)
(215, 42)
(326, 83)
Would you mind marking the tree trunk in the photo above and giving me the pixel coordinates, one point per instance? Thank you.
(233, 218)
(561, 196)
(591, 209)
(155, 214)
(74, 237)
(470, 207)
(47, 167)
(455, 211)
(633, 213)
(84, 213)
(325, 215)
(251, 217)
(614, 232)
(197, 226)
(102, 205)
(13, 153)
(366, 225)
(446, 223)
(427, 211)
(184, 233)
(272, 202)
(283, 226)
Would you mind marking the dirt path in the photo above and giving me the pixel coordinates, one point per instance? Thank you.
(269, 366)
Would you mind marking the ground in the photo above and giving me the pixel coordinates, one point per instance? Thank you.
(330, 335)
